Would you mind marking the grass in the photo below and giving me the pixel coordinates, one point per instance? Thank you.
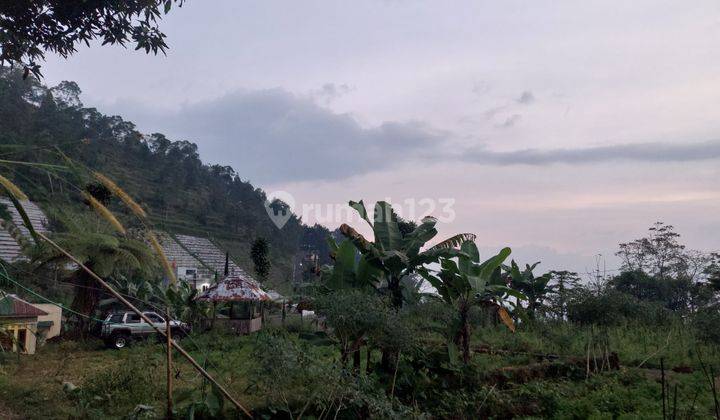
(111, 384)
(634, 344)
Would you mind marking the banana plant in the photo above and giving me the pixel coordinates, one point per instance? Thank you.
(464, 282)
(395, 256)
(535, 288)
(350, 269)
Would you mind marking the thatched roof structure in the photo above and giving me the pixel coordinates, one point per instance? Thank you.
(235, 288)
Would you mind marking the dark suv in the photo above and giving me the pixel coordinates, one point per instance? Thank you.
(120, 328)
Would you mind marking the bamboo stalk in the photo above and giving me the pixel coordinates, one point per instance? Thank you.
(397, 364)
(132, 307)
(169, 366)
(662, 384)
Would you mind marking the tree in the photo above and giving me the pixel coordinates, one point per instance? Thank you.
(166, 177)
(673, 293)
(28, 29)
(659, 254)
(563, 285)
(394, 255)
(105, 253)
(465, 282)
(406, 226)
(534, 288)
(353, 314)
(713, 271)
(259, 255)
(350, 269)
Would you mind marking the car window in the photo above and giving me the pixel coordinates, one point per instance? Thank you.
(155, 318)
(132, 319)
(116, 318)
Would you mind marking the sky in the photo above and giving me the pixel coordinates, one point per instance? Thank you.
(558, 128)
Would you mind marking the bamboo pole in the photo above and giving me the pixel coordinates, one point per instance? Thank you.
(132, 307)
(169, 366)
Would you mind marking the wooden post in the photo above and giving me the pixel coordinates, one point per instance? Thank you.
(662, 384)
(169, 366)
(282, 315)
(142, 316)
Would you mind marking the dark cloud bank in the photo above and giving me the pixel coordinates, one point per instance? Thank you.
(275, 136)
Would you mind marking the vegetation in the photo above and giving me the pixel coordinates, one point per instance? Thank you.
(642, 343)
(30, 28)
(259, 255)
(468, 282)
(620, 347)
(166, 179)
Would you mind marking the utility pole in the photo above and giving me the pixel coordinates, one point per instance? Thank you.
(169, 414)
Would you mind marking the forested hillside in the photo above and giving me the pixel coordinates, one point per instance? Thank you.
(180, 192)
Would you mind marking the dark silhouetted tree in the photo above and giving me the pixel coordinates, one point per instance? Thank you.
(29, 29)
(259, 255)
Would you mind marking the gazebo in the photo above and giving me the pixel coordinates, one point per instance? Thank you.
(240, 293)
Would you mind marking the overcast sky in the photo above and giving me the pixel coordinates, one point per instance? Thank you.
(560, 128)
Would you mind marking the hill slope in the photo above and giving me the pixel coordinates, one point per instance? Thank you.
(180, 192)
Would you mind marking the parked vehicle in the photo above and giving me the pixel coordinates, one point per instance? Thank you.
(121, 328)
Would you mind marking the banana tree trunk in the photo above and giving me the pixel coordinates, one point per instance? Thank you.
(395, 292)
(462, 338)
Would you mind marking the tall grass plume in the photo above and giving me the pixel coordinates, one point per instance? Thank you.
(161, 254)
(103, 211)
(13, 189)
(122, 195)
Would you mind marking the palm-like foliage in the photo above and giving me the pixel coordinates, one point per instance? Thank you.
(182, 299)
(465, 281)
(535, 288)
(102, 252)
(392, 256)
(350, 269)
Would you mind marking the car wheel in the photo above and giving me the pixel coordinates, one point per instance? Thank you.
(178, 333)
(120, 341)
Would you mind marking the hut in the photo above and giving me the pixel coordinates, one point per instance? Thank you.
(242, 297)
(18, 325)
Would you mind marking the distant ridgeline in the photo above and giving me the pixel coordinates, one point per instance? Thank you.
(183, 195)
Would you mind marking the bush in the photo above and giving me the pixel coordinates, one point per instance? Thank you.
(613, 308)
(295, 378)
(123, 388)
(706, 322)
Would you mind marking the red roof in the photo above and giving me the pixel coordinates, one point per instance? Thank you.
(235, 288)
(13, 306)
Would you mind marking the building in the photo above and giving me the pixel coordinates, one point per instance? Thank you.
(19, 329)
(198, 261)
(244, 298)
(13, 233)
(49, 325)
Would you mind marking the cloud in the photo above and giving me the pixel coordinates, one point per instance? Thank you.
(274, 136)
(510, 121)
(641, 152)
(526, 98)
(329, 92)
(481, 88)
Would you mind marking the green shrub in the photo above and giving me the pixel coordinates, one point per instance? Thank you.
(294, 378)
(121, 389)
(706, 323)
(613, 308)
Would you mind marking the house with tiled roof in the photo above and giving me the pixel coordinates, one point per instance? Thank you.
(19, 325)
